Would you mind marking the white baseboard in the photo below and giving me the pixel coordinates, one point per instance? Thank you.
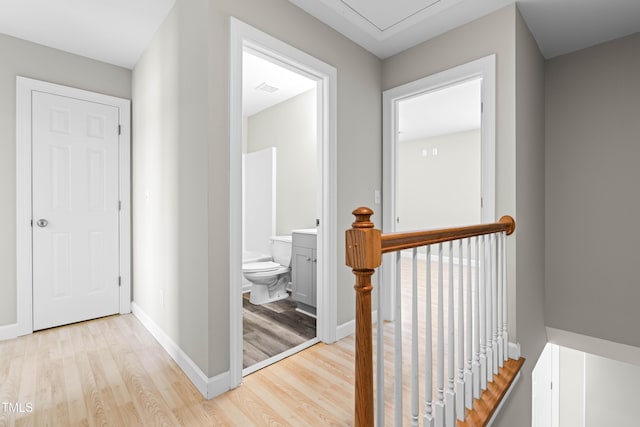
(345, 329)
(349, 328)
(8, 332)
(208, 387)
(217, 385)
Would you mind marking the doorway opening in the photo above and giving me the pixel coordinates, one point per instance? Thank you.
(438, 156)
(280, 209)
(283, 198)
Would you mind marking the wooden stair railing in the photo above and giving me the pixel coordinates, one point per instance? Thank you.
(364, 248)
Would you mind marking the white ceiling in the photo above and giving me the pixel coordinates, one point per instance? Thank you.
(449, 110)
(257, 71)
(113, 31)
(118, 31)
(560, 26)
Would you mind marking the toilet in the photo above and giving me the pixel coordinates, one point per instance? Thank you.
(269, 279)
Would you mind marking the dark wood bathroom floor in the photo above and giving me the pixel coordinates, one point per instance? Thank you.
(270, 329)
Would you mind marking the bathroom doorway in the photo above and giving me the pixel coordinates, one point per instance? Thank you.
(283, 224)
(280, 209)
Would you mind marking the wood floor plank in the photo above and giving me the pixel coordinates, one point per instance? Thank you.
(112, 371)
(271, 329)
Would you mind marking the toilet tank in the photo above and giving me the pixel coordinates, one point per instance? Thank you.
(281, 249)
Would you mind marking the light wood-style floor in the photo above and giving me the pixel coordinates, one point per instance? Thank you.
(112, 372)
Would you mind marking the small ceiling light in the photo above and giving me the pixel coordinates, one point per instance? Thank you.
(266, 87)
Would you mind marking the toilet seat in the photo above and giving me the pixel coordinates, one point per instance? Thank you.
(272, 272)
(256, 267)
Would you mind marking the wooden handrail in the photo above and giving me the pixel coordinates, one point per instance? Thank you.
(392, 242)
(364, 248)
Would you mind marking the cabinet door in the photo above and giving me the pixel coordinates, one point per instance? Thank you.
(303, 272)
(314, 293)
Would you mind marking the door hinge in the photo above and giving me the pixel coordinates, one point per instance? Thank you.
(119, 205)
(482, 107)
(31, 223)
(119, 129)
(317, 222)
(119, 280)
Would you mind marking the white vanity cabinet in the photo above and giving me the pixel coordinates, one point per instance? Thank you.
(304, 262)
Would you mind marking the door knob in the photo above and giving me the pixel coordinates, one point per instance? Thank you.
(42, 222)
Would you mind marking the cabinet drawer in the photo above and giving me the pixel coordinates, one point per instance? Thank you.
(304, 240)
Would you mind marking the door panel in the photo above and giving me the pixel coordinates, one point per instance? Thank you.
(75, 190)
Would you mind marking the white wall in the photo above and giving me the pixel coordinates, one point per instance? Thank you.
(592, 198)
(571, 388)
(259, 202)
(611, 392)
(291, 128)
(22, 58)
(439, 190)
(596, 391)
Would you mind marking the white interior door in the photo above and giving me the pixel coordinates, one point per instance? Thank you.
(75, 210)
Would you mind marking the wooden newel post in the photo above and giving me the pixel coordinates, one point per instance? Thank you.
(363, 255)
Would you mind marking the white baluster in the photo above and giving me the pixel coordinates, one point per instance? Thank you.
(483, 316)
(461, 333)
(380, 362)
(440, 403)
(428, 420)
(505, 300)
(475, 366)
(494, 301)
(451, 393)
(414, 341)
(397, 359)
(489, 312)
(468, 373)
(499, 308)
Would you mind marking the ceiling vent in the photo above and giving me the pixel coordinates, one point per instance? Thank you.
(266, 87)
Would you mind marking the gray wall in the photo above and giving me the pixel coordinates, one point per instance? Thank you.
(519, 140)
(170, 179)
(443, 190)
(22, 58)
(530, 225)
(492, 34)
(358, 130)
(592, 198)
(290, 127)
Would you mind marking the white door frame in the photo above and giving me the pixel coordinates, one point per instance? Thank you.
(243, 35)
(24, 247)
(481, 68)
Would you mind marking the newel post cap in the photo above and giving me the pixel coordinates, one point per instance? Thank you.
(363, 218)
(363, 243)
